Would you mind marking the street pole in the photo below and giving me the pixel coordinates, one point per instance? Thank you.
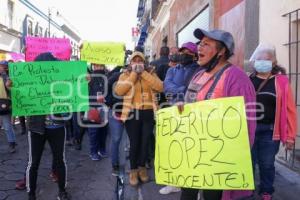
(49, 21)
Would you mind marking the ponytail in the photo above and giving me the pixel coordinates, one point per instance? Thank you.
(278, 70)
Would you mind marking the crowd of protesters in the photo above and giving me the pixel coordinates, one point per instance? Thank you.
(130, 95)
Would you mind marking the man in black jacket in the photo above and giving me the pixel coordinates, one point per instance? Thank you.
(162, 64)
(97, 134)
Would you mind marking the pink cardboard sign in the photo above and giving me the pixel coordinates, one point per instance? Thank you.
(16, 57)
(59, 47)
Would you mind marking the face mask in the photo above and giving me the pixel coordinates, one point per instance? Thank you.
(99, 71)
(174, 58)
(186, 59)
(263, 66)
(212, 63)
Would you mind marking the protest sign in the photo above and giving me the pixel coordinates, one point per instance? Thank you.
(41, 88)
(17, 57)
(2, 56)
(108, 53)
(59, 47)
(205, 147)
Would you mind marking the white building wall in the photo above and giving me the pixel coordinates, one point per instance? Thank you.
(273, 28)
(11, 33)
(10, 37)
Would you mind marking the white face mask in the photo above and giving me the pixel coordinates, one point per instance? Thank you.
(263, 66)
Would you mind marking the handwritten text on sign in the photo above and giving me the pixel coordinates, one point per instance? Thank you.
(205, 147)
(103, 53)
(59, 47)
(41, 88)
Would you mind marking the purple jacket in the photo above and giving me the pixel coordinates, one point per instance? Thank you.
(237, 83)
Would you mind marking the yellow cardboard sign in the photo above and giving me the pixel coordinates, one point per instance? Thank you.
(2, 56)
(204, 147)
(108, 53)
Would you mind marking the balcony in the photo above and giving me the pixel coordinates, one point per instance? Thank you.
(156, 6)
(141, 9)
(12, 25)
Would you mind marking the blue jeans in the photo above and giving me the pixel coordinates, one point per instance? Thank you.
(116, 128)
(97, 139)
(8, 127)
(264, 151)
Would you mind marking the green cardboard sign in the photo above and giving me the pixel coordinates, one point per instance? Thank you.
(41, 88)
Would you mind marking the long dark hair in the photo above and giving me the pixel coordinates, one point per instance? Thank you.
(278, 70)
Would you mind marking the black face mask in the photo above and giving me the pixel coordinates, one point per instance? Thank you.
(99, 71)
(212, 63)
(174, 58)
(186, 59)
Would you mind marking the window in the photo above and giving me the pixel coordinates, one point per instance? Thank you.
(36, 30)
(40, 31)
(165, 41)
(10, 7)
(46, 33)
(293, 47)
(200, 21)
(30, 28)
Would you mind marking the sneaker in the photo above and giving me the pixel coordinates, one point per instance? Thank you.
(103, 154)
(266, 196)
(21, 184)
(63, 196)
(53, 175)
(115, 170)
(169, 189)
(95, 157)
(32, 197)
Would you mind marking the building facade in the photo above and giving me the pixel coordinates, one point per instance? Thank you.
(10, 29)
(172, 22)
(21, 18)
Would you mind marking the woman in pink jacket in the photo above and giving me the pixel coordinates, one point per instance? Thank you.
(219, 79)
(276, 115)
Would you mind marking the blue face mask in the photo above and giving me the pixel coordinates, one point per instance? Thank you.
(263, 66)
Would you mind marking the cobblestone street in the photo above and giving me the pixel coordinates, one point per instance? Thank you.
(87, 179)
(92, 180)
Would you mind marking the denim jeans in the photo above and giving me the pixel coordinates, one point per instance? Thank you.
(97, 139)
(264, 151)
(116, 128)
(8, 127)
